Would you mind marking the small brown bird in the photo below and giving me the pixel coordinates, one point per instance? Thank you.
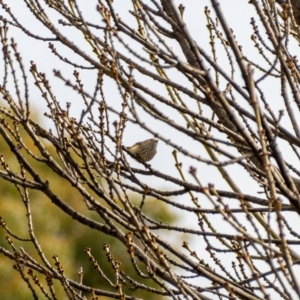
(144, 151)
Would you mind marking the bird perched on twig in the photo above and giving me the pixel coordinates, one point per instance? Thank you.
(144, 151)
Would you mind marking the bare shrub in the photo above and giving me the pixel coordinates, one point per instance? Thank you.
(215, 213)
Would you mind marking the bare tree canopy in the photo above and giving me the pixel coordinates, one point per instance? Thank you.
(158, 158)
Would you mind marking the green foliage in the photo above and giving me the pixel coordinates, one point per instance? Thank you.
(58, 234)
